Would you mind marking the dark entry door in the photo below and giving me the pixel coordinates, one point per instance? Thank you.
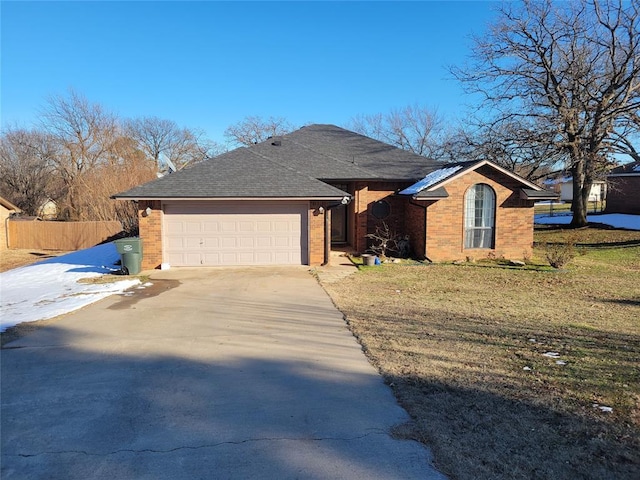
(339, 224)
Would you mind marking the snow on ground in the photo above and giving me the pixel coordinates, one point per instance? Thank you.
(616, 220)
(50, 288)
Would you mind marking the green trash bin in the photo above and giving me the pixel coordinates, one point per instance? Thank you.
(130, 250)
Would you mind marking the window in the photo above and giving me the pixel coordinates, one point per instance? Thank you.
(479, 221)
(381, 209)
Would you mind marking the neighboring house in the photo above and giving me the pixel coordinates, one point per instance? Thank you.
(48, 210)
(289, 199)
(6, 210)
(624, 189)
(564, 187)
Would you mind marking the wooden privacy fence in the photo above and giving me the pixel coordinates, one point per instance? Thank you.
(65, 236)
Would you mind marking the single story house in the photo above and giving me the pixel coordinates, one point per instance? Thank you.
(624, 189)
(563, 186)
(6, 210)
(289, 199)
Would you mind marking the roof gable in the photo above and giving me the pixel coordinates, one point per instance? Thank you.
(437, 179)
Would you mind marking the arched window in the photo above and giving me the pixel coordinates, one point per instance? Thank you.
(479, 217)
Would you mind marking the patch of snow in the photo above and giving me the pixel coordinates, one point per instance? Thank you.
(560, 362)
(526, 369)
(551, 354)
(532, 340)
(430, 180)
(50, 288)
(603, 408)
(616, 220)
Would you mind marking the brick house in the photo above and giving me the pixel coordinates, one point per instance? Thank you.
(289, 199)
(624, 189)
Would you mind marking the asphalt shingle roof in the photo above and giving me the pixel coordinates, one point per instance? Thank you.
(236, 174)
(290, 166)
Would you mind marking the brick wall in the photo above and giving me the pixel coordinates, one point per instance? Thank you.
(623, 195)
(513, 225)
(316, 233)
(365, 195)
(151, 233)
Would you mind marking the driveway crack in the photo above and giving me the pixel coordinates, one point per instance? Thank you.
(195, 447)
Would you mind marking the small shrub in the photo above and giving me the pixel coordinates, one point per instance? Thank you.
(387, 241)
(560, 254)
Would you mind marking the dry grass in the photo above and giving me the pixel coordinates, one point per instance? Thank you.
(15, 258)
(463, 347)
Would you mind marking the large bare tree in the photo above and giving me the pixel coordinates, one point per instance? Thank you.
(82, 134)
(520, 146)
(163, 140)
(415, 128)
(572, 66)
(26, 168)
(255, 129)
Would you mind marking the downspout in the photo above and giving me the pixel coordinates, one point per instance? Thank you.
(327, 228)
(6, 230)
(424, 207)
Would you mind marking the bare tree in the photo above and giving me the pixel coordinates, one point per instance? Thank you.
(125, 166)
(415, 128)
(254, 129)
(522, 147)
(82, 134)
(26, 168)
(575, 68)
(163, 140)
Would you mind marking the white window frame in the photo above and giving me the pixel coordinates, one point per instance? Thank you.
(480, 217)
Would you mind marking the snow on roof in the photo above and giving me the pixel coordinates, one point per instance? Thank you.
(434, 177)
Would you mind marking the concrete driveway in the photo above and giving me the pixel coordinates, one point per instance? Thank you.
(210, 373)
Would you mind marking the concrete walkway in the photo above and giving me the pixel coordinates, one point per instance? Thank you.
(339, 267)
(210, 373)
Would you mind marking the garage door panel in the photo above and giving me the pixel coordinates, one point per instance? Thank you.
(193, 227)
(211, 243)
(211, 227)
(228, 226)
(246, 242)
(228, 242)
(235, 233)
(262, 242)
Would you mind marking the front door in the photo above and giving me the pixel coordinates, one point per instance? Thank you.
(339, 224)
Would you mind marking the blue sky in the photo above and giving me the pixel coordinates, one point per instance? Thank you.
(210, 64)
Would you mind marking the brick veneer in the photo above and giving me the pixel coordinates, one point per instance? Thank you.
(367, 193)
(445, 219)
(316, 233)
(150, 233)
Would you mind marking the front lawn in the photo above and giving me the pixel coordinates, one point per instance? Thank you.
(507, 373)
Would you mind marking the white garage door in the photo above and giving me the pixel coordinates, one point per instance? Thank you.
(235, 233)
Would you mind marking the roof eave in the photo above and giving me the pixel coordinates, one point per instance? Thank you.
(536, 195)
(479, 164)
(166, 198)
